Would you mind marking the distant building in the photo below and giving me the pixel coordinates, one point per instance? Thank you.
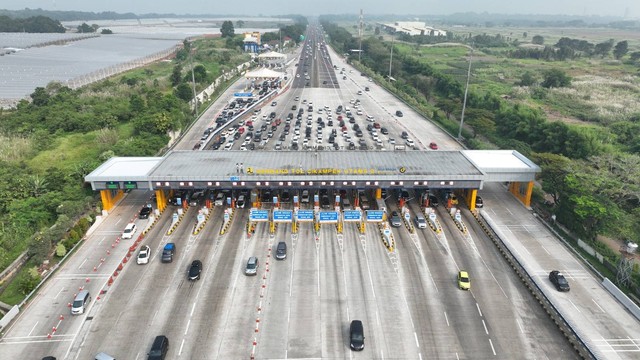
(412, 28)
(251, 42)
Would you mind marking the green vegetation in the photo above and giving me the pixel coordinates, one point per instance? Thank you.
(577, 116)
(35, 24)
(63, 134)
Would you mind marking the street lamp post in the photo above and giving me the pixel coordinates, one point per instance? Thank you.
(391, 57)
(464, 102)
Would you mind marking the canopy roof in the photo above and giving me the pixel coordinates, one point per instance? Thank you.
(263, 73)
(271, 55)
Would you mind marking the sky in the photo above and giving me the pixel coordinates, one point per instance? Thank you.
(312, 7)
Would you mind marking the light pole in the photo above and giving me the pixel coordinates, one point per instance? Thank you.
(466, 90)
(391, 57)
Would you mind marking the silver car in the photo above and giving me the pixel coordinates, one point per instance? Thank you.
(252, 266)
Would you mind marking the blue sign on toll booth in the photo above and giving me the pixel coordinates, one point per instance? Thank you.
(259, 215)
(374, 215)
(328, 216)
(305, 215)
(352, 215)
(282, 215)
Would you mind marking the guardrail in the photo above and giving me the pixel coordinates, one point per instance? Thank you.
(570, 333)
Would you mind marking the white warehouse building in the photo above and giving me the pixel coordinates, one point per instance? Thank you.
(413, 28)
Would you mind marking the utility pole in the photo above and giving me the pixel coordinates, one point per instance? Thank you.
(466, 90)
(360, 33)
(193, 79)
(391, 57)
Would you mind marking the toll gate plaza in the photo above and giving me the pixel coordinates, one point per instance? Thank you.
(464, 172)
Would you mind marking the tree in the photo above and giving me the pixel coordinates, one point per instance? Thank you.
(176, 75)
(28, 280)
(106, 32)
(61, 250)
(604, 48)
(40, 97)
(183, 91)
(554, 170)
(555, 78)
(86, 28)
(239, 24)
(376, 31)
(537, 39)
(527, 79)
(524, 34)
(621, 49)
(200, 73)
(227, 29)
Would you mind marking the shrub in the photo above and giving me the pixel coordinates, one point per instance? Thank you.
(61, 250)
(28, 280)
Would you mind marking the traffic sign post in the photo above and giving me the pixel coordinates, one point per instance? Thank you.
(328, 217)
(259, 215)
(282, 216)
(374, 215)
(352, 215)
(304, 215)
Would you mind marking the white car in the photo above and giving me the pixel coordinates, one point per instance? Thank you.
(143, 255)
(129, 230)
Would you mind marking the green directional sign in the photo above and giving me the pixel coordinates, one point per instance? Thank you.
(130, 185)
(301, 37)
(113, 185)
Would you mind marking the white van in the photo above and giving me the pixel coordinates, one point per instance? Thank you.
(80, 302)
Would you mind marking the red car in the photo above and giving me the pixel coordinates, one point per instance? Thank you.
(241, 130)
(433, 146)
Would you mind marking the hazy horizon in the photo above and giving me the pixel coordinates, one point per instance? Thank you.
(619, 8)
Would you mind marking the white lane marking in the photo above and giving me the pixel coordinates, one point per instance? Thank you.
(59, 292)
(193, 308)
(485, 327)
(378, 318)
(85, 260)
(520, 325)
(416, 337)
(101, 240)
(420, 356)
(545, 249)
(381, 355)
(494, 278)
(117, 222)
(574, 305)
(446, 318)
(492, 348)
(457, 356)
(479, 312)
(33, 328)
(634, 343)
(181, 345)
(599, 307)
(186, 330)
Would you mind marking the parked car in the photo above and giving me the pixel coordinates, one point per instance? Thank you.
(194, 270)
(305, 196)
(433, 146)
(143, 255)
(241, 201)
(559, 281)
(479, 202)
(399, 113)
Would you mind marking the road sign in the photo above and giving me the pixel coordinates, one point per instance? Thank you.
(407, 216)
(432, 216)
(352, 215)
(259, 215)
(200, 218)
(282, 215)
(243, 94)
(234, 178)
(375, 215)
(304, 215)
(328, 216)
(226, 216)
(275, 199)
(386, 232)
(295, 199)
(316, 198)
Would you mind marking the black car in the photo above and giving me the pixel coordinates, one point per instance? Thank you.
(558, 280)
(281, 250)
(325, 202)
(433, 200)
(145, 212)
(195, 270)
(285, 196)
